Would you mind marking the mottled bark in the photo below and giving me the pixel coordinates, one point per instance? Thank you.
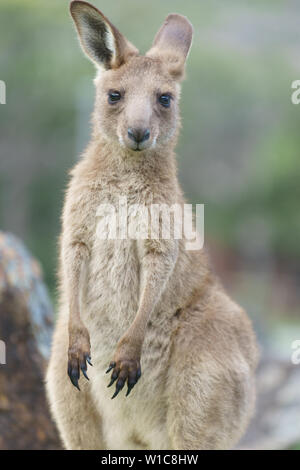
(25, 316)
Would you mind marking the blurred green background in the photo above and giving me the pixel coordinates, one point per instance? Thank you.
(238, 152)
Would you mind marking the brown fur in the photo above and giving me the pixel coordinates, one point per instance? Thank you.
(142, 302)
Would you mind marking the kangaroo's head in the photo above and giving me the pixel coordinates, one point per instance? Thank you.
(136, 96)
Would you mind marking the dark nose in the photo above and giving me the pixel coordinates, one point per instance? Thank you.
(138, 135)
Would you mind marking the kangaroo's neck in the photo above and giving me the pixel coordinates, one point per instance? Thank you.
(107, 158)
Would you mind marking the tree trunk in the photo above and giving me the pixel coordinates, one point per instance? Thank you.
(25, 326)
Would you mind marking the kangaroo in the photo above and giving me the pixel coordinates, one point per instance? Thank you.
(148, 311)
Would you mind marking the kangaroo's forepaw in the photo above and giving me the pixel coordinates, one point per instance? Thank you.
(79, 355)
(124, 370)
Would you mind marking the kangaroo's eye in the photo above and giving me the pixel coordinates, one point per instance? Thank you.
(114, 96)
(165, 100)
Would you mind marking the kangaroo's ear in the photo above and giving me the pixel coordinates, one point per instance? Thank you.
(100, 40)
(172, 43)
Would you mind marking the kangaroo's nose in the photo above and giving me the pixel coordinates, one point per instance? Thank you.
(138, 135)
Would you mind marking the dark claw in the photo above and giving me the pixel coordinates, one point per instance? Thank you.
(132, 381)
(74, 376)
(130, 387)
(113, 379)
(83, 368)
(88, 360)
(111, 366)
(115, 394)
(76, 385)
(119, 386)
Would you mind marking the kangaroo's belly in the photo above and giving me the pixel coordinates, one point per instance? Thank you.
(109, 305)
(111, 293)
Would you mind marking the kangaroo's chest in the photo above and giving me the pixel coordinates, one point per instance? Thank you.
(119, 222)
(113, 272)
(112, 281)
